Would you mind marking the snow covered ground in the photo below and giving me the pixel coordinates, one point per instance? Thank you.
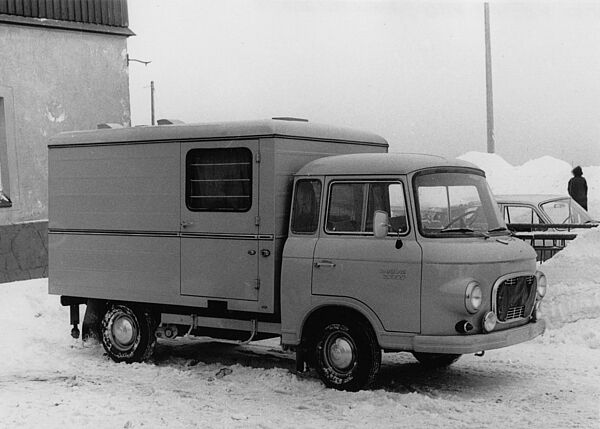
(48, 380)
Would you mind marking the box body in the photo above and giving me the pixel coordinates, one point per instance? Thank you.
(130, 217)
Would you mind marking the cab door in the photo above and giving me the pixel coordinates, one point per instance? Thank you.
(384, 274)
(219, 219)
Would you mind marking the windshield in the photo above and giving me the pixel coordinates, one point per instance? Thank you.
(457, 203)
(565, 211)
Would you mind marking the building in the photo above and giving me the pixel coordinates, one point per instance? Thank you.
(63, 66)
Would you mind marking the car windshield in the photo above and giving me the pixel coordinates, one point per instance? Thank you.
(456, 203)
(565, 210)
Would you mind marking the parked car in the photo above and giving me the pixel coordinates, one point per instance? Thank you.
(542, 209)
(546, 222)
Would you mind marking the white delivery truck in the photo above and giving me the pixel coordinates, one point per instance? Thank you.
(251, 230)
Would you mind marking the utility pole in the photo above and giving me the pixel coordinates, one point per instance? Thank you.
(152, 102)
(491, 146)
(145, 63)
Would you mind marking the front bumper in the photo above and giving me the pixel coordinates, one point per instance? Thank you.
(474, 343)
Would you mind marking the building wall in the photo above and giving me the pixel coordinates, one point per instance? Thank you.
(60, 80)
(23, 251)
(51, 80)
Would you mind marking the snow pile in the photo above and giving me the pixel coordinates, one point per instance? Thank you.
(496, 170)
(545, 175)
(572, 305)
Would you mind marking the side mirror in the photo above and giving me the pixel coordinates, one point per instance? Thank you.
(381, 224)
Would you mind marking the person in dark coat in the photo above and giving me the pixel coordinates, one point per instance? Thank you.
(578, 187)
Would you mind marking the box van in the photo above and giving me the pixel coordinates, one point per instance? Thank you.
(251, 230)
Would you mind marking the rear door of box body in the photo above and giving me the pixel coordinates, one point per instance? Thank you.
(219, 221)
(114, 221)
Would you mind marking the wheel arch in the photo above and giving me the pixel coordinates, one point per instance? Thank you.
(351, 367)
(329, 311)
(96, 308)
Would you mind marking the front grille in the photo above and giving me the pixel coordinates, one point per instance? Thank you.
(515, 298)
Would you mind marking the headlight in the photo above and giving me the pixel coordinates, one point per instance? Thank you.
(542, 283)
(473, 297)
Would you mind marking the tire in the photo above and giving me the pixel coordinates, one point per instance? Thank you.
(347, 355)
(128, 334)
(436, 360)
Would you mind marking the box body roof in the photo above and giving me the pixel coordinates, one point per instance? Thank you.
(219, 131)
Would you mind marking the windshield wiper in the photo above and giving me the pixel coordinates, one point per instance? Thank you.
(465, 230)
(500, 228)
(503, 228)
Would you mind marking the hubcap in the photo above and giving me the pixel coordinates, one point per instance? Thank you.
(124, 332)
(341, 353)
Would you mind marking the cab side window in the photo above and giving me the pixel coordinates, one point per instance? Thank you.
(305, 211)
(352, 206)
(387, 197)
(345, 212)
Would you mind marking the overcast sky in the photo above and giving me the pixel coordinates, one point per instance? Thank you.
(413, 72)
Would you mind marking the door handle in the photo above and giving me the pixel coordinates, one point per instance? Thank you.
(185, 224)
(324, 264)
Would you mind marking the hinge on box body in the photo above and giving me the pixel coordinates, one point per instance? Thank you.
(257, 287)
(257, 156)
(257, 220)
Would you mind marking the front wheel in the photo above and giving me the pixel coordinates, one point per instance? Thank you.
(347, 355)
(436, 360)
(128, 334)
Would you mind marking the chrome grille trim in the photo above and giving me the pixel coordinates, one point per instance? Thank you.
(515, 313)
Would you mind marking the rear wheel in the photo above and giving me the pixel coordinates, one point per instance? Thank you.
(128, 333)
(436, 360)
(347, 355)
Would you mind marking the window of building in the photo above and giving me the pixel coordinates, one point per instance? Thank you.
(219, 179)
(352, 206)
(305, 212)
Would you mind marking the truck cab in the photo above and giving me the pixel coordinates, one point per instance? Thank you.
(410, 247)
(284, 228)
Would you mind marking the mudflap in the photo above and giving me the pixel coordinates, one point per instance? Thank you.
(94, 313)
(301, 366)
